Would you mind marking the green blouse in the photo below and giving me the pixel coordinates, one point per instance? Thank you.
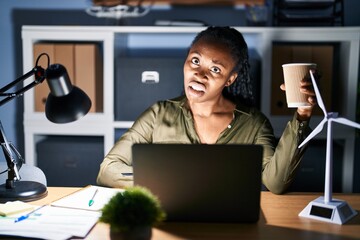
(171, 122)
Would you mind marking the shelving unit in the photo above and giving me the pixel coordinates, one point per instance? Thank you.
(308, 13)
(114, 39)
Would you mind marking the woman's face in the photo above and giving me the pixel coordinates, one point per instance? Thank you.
(207, 70)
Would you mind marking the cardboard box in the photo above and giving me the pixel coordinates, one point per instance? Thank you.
(322, 55)
(41, 91)
(84, 66)
(64, 55)
(88, 73)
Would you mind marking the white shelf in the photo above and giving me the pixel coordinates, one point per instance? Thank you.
(259, 38)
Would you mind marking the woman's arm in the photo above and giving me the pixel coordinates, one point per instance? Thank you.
(116, 169)
(280, 164)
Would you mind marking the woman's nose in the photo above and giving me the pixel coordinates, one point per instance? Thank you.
(201, 73)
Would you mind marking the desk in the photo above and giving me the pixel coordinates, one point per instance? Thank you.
(279, 220)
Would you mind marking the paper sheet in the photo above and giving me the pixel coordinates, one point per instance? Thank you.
(65, 218)
(14, 207)
(51, 223)
(81, 198)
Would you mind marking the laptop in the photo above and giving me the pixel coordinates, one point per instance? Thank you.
(202, 183)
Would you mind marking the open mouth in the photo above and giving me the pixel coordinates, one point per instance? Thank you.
(197, 87)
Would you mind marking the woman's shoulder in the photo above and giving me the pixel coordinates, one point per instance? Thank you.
(249, 111)
(163, 108)
(170, 104)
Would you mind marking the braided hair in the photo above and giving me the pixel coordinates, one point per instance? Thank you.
(241, 90)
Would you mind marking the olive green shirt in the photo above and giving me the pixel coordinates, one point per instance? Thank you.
(172, 122)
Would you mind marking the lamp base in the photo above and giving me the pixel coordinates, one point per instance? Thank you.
(23, 191)
(336, 211)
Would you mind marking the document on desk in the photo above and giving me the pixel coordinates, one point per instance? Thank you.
(91, 198)
(68, 217)
(10, 208)
(52, 223)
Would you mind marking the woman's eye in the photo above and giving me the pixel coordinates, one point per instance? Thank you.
(215, 69)
(195, 61)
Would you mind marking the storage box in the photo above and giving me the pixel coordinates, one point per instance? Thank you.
(70, 161)
(141, 81)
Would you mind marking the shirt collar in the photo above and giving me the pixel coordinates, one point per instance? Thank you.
(181, 101)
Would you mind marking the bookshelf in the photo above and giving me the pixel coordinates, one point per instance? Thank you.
(115, 40)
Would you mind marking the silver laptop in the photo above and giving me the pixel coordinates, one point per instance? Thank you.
(202, 183)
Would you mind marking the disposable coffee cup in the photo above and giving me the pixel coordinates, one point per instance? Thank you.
(293, 74)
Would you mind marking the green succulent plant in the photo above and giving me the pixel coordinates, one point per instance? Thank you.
(135, 207)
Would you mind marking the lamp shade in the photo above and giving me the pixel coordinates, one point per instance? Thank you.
(65, 103)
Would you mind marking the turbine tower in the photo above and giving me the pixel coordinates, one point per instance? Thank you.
(326, 208)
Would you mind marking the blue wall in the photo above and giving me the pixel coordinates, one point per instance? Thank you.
(14, 13)
(11, 66)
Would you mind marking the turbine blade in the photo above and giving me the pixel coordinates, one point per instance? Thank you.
(314, 132)
(318, 95)
(346, 122)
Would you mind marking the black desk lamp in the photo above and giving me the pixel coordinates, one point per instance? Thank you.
(65, 103)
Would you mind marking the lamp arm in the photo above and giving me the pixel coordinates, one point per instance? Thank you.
(13, 158)
(39, 73)
(14, 164)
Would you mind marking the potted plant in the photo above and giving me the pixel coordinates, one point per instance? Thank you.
(132, 213)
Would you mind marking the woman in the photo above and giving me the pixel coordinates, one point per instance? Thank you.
(216, 109)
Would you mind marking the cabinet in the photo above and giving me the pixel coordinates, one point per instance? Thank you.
(117, 41)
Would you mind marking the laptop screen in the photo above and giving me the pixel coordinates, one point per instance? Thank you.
(202, 183)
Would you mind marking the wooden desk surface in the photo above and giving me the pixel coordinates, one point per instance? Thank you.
(279, 220)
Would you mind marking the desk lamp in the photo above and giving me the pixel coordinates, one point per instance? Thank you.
(65, 103)
(326, 208)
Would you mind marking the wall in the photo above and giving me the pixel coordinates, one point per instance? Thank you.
(11, 61)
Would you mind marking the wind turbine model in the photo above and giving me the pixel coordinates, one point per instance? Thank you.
(326, 208)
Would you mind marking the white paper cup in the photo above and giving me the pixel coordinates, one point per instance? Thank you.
(293, 74)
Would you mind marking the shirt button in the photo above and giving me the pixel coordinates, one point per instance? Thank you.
(300, 131)
(229, 126)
